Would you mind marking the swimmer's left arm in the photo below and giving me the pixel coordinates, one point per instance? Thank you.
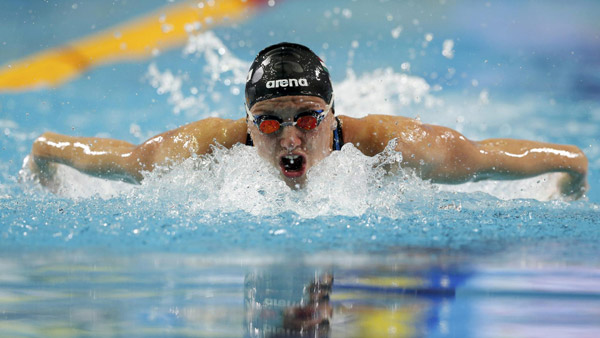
(444, 155)
(509, 158)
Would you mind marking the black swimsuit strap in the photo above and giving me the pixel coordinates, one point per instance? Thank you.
(338, 137)
(249, 141)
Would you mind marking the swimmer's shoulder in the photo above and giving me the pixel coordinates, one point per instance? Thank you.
(224, 131)
(370, 134)
(376, 120)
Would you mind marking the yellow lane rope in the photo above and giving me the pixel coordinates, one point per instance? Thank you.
(166, 28)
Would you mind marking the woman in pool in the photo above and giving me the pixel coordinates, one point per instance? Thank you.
(290, 120)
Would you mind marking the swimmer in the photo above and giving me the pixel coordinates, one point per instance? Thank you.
(292, 122)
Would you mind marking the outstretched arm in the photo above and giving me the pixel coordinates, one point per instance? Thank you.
(445, 156)
(120, 160)
(507, 158)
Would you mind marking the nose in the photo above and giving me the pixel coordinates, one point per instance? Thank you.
(290, 138)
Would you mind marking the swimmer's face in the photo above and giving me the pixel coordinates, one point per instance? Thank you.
(291, 149)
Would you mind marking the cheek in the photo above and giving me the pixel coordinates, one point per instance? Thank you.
(318, 144)
(264, 145)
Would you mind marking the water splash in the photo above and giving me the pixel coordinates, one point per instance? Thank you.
(221, 63)
(229, 180)
(237, 179)
(383, 91)
(221, 66)
(542, 188)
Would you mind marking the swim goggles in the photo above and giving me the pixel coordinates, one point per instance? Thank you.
(307, 120)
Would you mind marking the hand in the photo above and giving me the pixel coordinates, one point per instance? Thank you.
(572, 186)
(41, 171)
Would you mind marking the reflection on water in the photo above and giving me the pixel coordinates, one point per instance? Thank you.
(277, 304)
(416, 293)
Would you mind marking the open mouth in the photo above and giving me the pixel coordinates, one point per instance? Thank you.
(292, 165)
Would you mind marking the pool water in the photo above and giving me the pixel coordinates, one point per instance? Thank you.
(220, 247)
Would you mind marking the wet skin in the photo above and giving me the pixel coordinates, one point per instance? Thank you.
(292, 144)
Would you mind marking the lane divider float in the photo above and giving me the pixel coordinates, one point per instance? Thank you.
(137, 39)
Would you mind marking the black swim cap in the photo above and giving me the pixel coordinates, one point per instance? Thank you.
(287, 69)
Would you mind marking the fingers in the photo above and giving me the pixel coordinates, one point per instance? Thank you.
(573, 186)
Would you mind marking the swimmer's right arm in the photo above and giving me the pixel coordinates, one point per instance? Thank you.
(120, 160)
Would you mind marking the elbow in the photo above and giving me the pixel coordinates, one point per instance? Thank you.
(39, 149)
(460, 164)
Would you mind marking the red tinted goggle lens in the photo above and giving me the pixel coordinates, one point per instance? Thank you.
(270, 125)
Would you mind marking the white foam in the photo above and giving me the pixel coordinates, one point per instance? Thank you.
(228, 180)
(69, 182)
(542, 188)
